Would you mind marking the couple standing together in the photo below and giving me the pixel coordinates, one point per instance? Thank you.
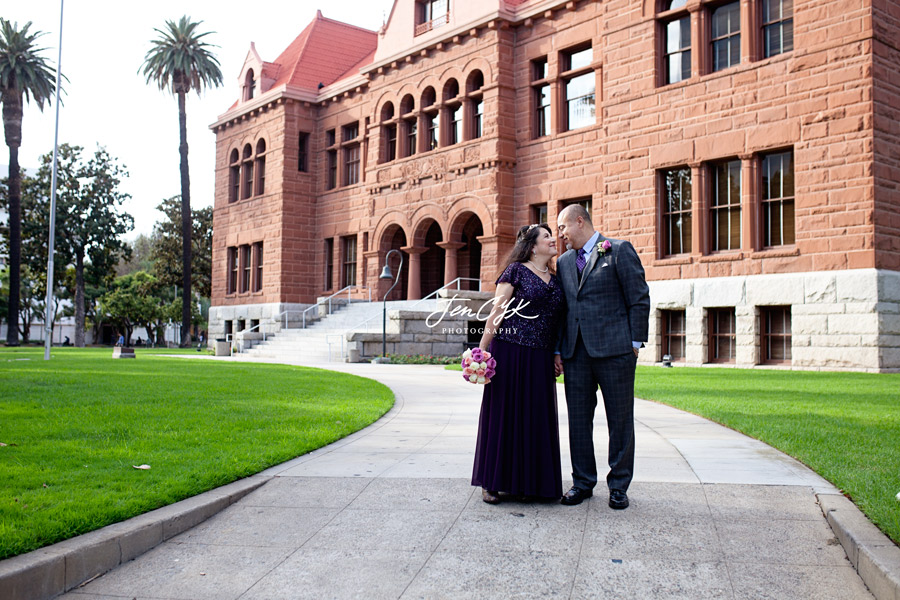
(589, 321)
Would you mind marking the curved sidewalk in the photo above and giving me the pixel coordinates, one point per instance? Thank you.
(389, 513)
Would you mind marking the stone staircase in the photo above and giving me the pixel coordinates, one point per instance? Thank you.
(326, 339)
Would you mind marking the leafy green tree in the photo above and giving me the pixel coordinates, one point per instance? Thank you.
(166, 247)
(133, 301)
(89, 220)
(180, 61)
(141, 257)
(24, 75)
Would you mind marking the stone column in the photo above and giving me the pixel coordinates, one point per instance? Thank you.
(451, 268)
(698, 40)
(414, 283)
(750, 241)
(493, 250)
(373, 260)
(749, 25)
(699, 212)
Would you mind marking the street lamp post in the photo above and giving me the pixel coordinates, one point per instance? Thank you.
(386, 274)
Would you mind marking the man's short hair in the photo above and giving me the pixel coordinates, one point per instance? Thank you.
(578, 210)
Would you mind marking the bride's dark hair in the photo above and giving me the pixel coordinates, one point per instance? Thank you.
(526, 240)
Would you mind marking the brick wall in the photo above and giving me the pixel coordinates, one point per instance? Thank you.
(886, 69)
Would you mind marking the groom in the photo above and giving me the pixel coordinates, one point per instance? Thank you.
(606, 324)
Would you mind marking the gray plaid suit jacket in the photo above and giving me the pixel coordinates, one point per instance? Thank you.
(610, 305)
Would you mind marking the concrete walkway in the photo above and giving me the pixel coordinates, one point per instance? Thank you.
(389, 513)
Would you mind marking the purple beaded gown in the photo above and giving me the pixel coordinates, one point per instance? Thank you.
(518, 432)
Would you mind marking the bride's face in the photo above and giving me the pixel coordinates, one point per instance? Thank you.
(545, 245)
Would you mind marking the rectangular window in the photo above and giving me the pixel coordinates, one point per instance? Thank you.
(329, 263)
(258, 266)
(235, 183)
(350, 132)
(247, 190)
(245, 269)
(676, 234)
(721, 335)
(539, 213)
(303, 153)
(332, 169)
(777, 27)
(412, 128)
(431, 14)
(725, 208)
(584, 202)
(477, 118)
(775, 330)
(678, 50)
(434, 132)
(673, 334)
(351, 164)
(232, 269)
(390, 133)
(579, 88)
(260, 175)
(539, 69)
(348, 270)
(541, 110)
(456, 124)
(726, 36)
(778, 199)
(330, 138)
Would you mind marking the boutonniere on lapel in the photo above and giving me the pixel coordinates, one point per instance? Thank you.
(605, 247)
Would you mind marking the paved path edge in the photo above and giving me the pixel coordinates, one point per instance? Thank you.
(874, 556)
(54, 570)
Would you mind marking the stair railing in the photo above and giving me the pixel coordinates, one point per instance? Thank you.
(238, 338)
(348, 289)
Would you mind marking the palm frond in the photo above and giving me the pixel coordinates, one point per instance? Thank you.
(179, 59)
(22, 69)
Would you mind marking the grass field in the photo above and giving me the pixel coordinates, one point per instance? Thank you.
(75, 427)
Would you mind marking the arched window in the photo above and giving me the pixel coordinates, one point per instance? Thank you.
(430, 119)
(260, 167)
(410, 125)
(247, 172)
(475, 101)
(388, 133)
(234, 176)
(249, 85)
(453, 111)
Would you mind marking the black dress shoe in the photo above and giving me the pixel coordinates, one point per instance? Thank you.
(618, 499)
(490, 497)
(575, 496)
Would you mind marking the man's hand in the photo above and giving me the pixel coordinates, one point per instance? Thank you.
(636, 351)
(558, 365)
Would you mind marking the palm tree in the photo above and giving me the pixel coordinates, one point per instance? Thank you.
(180, 61)
(23, 73)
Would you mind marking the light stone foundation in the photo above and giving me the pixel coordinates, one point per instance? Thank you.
(840, 320)
(270, 316)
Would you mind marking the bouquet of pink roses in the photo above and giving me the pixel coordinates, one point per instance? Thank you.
(478, 366)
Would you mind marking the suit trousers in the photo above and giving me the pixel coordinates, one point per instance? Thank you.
(615, 377)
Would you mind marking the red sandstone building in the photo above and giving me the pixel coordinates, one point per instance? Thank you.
(750, 150)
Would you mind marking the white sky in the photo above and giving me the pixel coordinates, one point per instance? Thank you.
(108, 103)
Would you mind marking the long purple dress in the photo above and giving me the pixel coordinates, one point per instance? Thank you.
(518, 433)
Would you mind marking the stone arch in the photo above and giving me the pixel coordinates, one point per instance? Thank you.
(480, 64)
(472, 205)
(393, 237)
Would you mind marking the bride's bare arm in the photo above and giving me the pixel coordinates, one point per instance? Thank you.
(495, 319)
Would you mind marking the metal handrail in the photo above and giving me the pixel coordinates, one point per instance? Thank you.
(320, 302)
(242, 332)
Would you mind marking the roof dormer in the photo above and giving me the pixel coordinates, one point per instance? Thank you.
(256, 76)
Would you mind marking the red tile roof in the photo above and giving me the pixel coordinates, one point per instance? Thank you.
(325, 52)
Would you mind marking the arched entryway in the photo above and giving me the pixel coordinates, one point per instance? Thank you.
(394, 238)
(464, 250)
(432, 261)
(469, 257)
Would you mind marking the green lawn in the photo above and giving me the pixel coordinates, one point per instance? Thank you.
(75, 426)
(844, 426)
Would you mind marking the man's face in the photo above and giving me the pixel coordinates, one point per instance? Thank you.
(568, 227)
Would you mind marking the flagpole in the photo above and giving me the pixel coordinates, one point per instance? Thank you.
(51, 243)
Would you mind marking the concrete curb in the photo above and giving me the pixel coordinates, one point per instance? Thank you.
(56, 569)
(874, 556)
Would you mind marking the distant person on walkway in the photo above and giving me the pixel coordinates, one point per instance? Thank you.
(517, 452)
(121, 340)
(200, 344)
(66, 342)
(608, 310)
(138, 341)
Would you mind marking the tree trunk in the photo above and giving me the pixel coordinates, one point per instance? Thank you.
(186, 295)
(15, 247)
(79, 298)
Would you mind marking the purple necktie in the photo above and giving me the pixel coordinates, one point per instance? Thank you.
(580, 261)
